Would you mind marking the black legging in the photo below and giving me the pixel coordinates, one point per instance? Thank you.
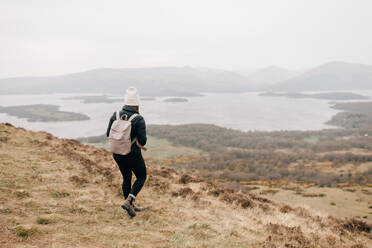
(127, 164)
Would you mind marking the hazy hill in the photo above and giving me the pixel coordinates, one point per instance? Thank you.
(245, 72)
(188, 81)
(330, 76)
(270, 75)
(60, 193)
(160, 81)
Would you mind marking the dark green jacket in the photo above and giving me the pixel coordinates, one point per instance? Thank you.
(138, 126)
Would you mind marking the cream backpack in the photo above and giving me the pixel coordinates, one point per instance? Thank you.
(119, 139)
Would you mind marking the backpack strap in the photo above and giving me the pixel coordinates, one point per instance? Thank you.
(135, 140)
(138, 144)
(133, 116)
(130, 119)
(118, 117)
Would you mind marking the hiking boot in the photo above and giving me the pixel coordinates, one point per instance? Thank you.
(137, 209)
(127, 205)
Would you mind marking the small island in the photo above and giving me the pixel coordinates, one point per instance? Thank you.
(324, 96)
(94, 99)
(42, 113)
(148, 98)
(176, 99)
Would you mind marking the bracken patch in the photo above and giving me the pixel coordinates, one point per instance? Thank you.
(60, 194)
(286, 209)
(25, 232)
(357, 246)
(241, 199)
(185, 179)
(78, 180)
(216, 191)
(165, 172)
(354, 225)
(264, 206)
(22, 194)
(44, 220)
(183, 192)
(286, 236)
(331, 240)
(157, 184)
(259, 198)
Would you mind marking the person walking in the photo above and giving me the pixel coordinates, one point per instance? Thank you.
(129, 124)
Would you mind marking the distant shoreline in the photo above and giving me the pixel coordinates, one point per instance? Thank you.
(355, 115)
(94, 99)
(334, 119)
(42, 113)
(325, 95)
(175, 99)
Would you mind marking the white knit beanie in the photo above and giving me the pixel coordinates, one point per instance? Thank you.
(131, 97)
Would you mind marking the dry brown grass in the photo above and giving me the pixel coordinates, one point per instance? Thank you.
(183, 192)
(312, 195)
(286, 209)
(60, 193)
(268, 191)
(185, 179)
(354, 225)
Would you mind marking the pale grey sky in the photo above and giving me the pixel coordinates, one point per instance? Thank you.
(46, 37)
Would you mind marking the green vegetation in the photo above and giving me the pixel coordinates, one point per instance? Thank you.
(326, 96)
(157, 147)
(22, 194)
(310, 157)
(60, 194)
(273, 156)
(43, 220)
(162, 148)
(42, 113)
(325, 158)
(26, 232)
(95, 99)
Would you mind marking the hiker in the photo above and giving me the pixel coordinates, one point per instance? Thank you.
(127, 136)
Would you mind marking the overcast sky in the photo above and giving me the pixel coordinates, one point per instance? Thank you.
(47, 37)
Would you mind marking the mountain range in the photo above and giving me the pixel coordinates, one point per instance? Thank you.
(160, 81)
(189, 81)
(330, 76)
(269, 75)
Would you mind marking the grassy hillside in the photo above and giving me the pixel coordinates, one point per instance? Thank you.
(329, 170)
(60, 193)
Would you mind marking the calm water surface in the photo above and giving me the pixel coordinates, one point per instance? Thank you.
(246, 111)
